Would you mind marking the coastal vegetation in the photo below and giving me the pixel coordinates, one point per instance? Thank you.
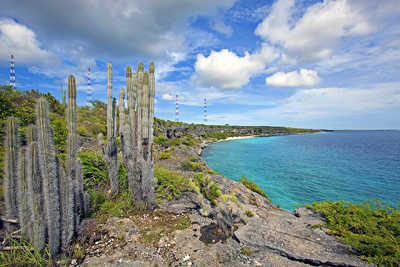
(253, 187)
(372, 228)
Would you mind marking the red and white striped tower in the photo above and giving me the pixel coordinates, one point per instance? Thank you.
(12, 73)
(205, 111)
(89, 89)
(176, 110)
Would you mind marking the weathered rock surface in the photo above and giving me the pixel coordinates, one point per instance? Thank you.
(272, 237)
(293, 237)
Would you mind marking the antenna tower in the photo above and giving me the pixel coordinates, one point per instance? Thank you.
(205, 111)
(12, 73)
(89, 89)
(176, 110)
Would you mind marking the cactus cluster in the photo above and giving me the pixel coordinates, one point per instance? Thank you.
(48, 200)
(135, 131)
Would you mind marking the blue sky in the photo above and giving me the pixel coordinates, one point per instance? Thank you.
(308, 64)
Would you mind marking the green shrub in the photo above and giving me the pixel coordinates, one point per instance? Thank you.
(372, 228)
(169, 183)
(211, 172)
(246, 251)
(249, 213)
(194, 159)
(190, 166)
(95, 170)
(252, 186)
(214, 190)
(82, 131)
(59, 125)
(160, 140)
(119, 206)
(196, 167)
(165, 155)
(174, 142)
(217, 135)
(187, 142)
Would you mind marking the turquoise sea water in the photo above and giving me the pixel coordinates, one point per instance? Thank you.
(352, 166)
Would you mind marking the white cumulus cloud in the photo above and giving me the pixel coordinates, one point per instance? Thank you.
(20, 41)
(167, 97)
(225, 70)
(303, 77)
(320, 28)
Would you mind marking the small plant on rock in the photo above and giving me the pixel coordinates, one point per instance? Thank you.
(249, 213)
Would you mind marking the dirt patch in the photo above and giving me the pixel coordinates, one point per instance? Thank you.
(211, 234)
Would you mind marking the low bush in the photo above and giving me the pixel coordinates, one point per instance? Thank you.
(211, 172)
(160, 140)
(187, 142)
(165, 155)
(169, 183)
(371, 228)
(252, 186)
(95, 170)
(190, 166)
(249, 213)
(174, 142)
(203, 183)
(217, 135)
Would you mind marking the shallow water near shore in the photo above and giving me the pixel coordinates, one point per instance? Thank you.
(352, 166)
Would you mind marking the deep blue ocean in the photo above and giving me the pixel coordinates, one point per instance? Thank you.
(353, 166)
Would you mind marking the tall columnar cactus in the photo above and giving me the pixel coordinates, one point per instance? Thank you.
(152, 92)
(48, 170)
(11, 164)
(122, 120)
(67, 207)
(129, 147)
(72, 138)
(111, 155)
(71, 197)
(22, 189)
(145, 111)
(36, 221)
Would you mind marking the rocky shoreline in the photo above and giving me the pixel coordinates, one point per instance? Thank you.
(271, 237)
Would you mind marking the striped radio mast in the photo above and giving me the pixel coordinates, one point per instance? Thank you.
(176, 110)
(205, 111)
(89, 89)
(12, 73)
